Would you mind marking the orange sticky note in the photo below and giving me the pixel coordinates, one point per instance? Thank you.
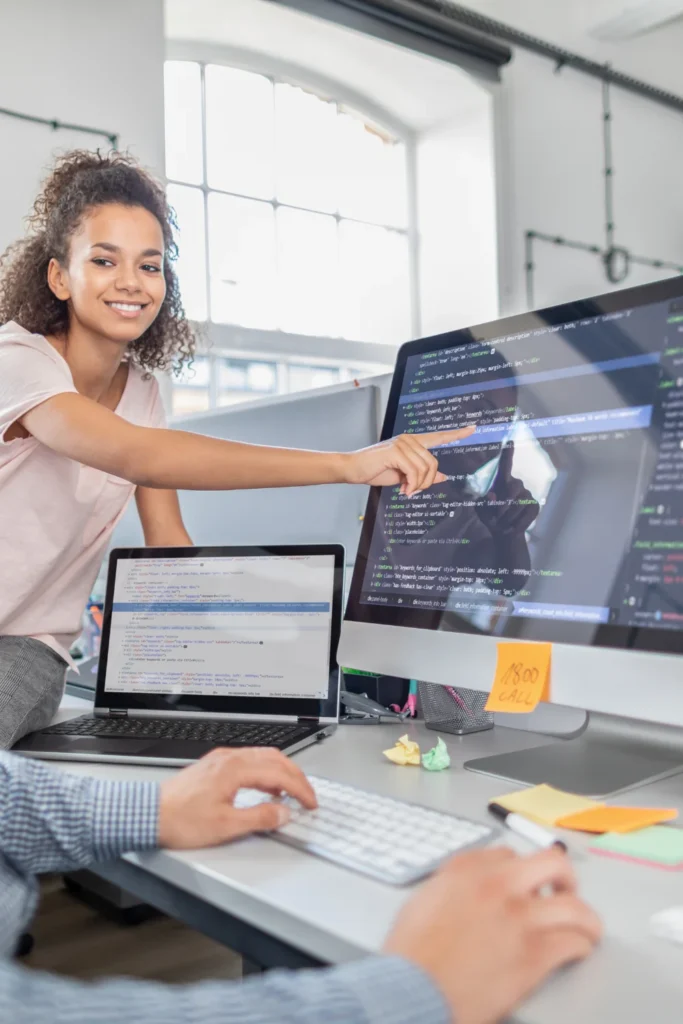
(616, 819)
(522, 677)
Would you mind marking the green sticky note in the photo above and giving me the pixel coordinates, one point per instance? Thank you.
(659, 844)
(436, 759)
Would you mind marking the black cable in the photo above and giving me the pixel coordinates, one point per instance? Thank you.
(609, 167)
(646, 261)
(568, 242)
(529, 267)
(560, 57)
(56, 125)
(617, 260)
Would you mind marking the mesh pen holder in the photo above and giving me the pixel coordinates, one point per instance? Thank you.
(457, 711)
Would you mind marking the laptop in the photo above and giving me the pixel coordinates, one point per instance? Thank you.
(207, 647)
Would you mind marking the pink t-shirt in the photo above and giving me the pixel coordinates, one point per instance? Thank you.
(56, 515)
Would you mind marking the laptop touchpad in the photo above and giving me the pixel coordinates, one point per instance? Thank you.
(183, 750)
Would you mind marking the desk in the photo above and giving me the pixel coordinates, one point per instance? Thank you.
(280, 906)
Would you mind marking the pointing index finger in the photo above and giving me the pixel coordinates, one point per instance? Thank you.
(439, 438)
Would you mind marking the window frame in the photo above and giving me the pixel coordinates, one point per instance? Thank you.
(347, 370)
(234, 340)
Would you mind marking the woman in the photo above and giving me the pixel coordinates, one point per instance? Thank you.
(90, 306)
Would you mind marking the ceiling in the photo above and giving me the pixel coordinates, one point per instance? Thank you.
(652, 54)
(637, 36)
(564, 21)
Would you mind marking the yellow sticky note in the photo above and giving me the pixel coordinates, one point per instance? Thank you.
(616, 819)
(406, 751)
(545, 804)
(522, 677)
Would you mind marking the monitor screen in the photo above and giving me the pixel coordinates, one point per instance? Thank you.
(228, 631)
(561, 518)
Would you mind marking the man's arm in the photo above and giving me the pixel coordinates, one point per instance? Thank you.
(473, 942)
(373, 991)
(53, 821)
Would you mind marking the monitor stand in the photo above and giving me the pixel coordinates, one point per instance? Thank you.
(611, 754)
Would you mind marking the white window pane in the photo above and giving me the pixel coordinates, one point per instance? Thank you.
(188, 204)
(302, 378)
(191, 388)
(373, 184)
(232, 376)
(308, 269)
(242, 260)
(240, 379)
(183, 116)
(358, 373)
(187, 400)
(375, 282)
(262, 377)
(239, 131)
(306, 136)
(196, 375)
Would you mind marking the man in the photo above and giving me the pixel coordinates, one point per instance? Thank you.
(469, 946)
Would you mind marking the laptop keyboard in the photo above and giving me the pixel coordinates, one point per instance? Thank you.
(218, 734)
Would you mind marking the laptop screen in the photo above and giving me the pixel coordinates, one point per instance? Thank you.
(218, 630)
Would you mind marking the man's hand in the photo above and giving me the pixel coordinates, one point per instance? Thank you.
(196, 807)
(486, 933)
(404, 460)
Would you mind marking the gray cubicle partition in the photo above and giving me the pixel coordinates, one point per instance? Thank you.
(341, 418)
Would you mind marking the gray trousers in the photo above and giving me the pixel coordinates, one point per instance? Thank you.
(31, 687)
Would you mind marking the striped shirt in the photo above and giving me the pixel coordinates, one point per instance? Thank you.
(50, 821)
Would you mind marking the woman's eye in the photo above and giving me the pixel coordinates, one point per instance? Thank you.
(153, 267)
(100, 261)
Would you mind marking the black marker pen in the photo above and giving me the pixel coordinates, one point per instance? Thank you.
(522, 826)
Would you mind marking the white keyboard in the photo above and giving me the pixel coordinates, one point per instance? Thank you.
(391, 840)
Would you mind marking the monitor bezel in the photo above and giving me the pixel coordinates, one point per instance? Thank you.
(327, 708)
(646, 639)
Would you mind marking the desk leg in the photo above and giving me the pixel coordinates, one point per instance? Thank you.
(257, 947)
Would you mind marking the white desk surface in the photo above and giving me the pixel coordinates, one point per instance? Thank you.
(337, 915)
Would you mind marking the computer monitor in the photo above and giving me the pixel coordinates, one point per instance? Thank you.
(561, 520)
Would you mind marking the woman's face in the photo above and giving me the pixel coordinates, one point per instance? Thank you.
(114, 280)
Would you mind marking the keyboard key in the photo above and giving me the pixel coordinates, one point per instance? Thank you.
(393, 841)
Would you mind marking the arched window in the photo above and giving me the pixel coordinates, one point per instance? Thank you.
(294, 215)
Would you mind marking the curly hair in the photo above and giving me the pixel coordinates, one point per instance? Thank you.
(80, 181)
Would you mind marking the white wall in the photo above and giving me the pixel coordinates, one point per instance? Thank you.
(550, 163)
(95, 64)
(456, 202)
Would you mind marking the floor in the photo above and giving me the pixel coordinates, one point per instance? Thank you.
(76, 941)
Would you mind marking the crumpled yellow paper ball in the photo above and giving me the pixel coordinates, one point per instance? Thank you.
(405, 751)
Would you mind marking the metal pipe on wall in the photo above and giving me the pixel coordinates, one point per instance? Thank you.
(56, 125)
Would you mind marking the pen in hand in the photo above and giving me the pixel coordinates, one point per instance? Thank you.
(521, 826)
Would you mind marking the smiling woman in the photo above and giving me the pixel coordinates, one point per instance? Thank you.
(90, 306)
(86, 198)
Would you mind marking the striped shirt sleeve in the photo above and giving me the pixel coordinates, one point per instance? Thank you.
(53, 821)
(374, 991)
